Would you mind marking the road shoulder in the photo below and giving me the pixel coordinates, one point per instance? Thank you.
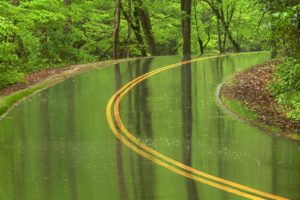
(247, 95)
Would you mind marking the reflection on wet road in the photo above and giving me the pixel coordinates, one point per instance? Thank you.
(58, 145)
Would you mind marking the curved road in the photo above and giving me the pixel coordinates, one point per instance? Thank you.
(182, 144)
(160, 159)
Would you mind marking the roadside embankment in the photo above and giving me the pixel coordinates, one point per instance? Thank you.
(247, 94)
(43, 79)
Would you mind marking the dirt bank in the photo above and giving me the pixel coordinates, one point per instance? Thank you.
(250, 89)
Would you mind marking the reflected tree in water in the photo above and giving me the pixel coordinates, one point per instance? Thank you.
(120, 168)
(71, 137)
(144, 128)
(45, 141)
(187, 120)
(18, 162)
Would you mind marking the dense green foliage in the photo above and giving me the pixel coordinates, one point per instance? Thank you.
(285, 22)
(41, 33)
(286, 86)
(285, 18)
(36, 34)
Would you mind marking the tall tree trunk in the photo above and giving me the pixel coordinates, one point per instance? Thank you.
(224, 42)
(186, 6)
(116, 31)
(219, 36)
(273, 29)
(147, 27)
(200, 41)
(128, 29)
(238, 38)
(138, 32)
(135, 26)
(232, 40)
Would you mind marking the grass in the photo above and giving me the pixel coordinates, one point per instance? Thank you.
(7, 102)
(240, 109)
(246, 114)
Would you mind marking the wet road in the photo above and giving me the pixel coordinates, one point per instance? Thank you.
(59, 145)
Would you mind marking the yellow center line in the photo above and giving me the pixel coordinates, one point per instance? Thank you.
(170, 167)
(118, 97)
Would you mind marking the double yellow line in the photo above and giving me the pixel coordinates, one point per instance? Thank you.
(133, 143)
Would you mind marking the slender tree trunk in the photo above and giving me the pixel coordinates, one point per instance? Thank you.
(232, 40)
(116, 42)
(138, 33)
(260, 21)
(219, 36)
(229, 34)
(186, 6)
(224, 42)
(238, 39)
(135, 26)
(273, 29)
(147, 27)
(200, 41)
(128, 29)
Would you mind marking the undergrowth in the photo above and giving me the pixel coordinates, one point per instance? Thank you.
(285, 86)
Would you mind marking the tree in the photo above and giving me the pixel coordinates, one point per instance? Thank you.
(224, 12)
(207, 19)
(134, 23)
(116, 31)
(128, 29)
(146, 24)
(285, 22)
(186, 6)
(221, 42)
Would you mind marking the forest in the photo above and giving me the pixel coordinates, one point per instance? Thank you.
(41, 34)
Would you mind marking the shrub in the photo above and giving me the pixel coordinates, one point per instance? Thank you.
(286, 86)
(9, 76)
